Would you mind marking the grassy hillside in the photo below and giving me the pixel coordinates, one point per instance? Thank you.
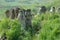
(48, 23)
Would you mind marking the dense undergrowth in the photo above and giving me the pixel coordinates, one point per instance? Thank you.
(45, 27)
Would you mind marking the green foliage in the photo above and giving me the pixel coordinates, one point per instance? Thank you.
(49, 24)
(50, 30)
(11, 27)
(4, 24)
(45, 27)
(14, 31)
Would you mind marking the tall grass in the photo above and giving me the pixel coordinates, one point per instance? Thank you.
(45, 27)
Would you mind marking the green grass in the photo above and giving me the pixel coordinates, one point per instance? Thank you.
(49, 23)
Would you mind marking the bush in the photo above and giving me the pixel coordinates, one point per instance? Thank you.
(11, 27)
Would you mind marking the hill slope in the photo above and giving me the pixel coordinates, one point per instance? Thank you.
(24, 2)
